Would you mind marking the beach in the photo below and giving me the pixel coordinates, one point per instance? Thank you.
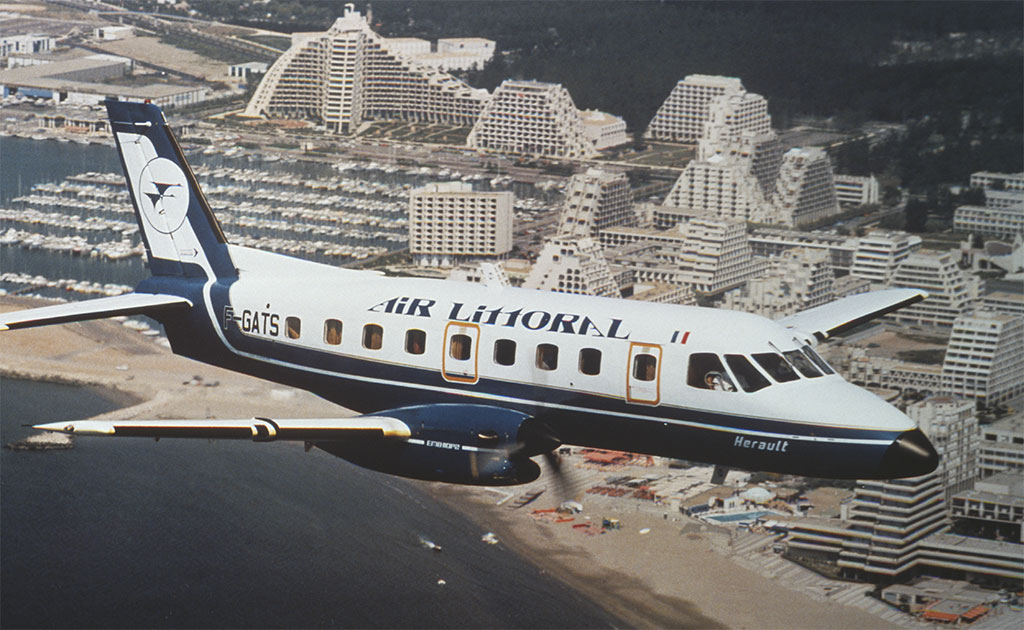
(661, 569)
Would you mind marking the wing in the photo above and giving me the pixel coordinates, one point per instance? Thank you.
(127, 304)
(836, 317)
(256, 429)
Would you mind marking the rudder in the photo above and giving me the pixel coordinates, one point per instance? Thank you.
(181, 234)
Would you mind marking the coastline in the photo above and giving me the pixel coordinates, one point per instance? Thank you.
(677, 574)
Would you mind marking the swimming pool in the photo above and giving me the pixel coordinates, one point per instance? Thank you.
(740, 516)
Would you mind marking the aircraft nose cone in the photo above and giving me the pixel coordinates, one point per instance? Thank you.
(910, 455)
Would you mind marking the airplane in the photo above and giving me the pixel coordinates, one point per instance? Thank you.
(466, 383)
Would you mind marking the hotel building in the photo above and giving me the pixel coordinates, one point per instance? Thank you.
(878, 254)
(572, 265)
(950, 290)
(985, 358)
(533, 118)
(595, 200)
(349, 75)
(449, 223)
(683, 115)
(805, 192)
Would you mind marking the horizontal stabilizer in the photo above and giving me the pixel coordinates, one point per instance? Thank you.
(127, 304)
(836, 317)
(256, 429)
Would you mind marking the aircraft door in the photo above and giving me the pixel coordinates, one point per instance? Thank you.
(643, 381)
(459, 361)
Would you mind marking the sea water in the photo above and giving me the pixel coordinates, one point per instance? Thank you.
(190, 533)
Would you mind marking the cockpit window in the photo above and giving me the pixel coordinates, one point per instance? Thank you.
(776, 366)
(816, 358)
(802, 363)
(707, 372)
(748, 376)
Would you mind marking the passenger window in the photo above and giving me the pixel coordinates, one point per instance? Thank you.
(460, 347)
(816, 358)
(332, 332)
(748, 376)
(547, 356)
(373, 336)
(707, 372)
(292, 327)
(645, 367)
(504, 352)
(801, 363)
(590, 361)
(776, 367)
(415, 341)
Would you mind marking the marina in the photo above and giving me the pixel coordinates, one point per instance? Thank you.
(74, 235)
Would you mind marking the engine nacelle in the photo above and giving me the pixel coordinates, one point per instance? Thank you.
(465, 444)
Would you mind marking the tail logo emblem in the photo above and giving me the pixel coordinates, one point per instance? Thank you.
(164, 195)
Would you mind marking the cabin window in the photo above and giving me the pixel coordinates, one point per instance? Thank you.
(776, 366)
(292, 327)
(332, 332)
(748, 376)
(460, 347)
(505, 352)
(707, 372)
(645, 367)
(373, 336)
(590, 361)
(800, 361)
(816, 358)
(547, 356)
(415, 341)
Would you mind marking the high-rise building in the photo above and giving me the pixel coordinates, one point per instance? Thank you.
(349, 74)
(805, 192)
(572, 265)
(709, 253)
(595, 200)
(794, 281)
(879, 253)
(533, 118)
(449, 223)
(683, 115)
(722, 185)
(952, 426)
(950, 291)
(985, 358)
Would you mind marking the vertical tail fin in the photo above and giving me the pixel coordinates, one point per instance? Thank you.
(181, 235)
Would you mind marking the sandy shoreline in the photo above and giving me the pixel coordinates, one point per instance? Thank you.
(678, 575)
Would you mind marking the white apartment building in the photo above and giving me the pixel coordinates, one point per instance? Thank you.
(1003, 223)
(852, 190)
(767, 242)
(1004, 198)
(449, 223)
(879, 372)
(710, 254)
(1002, 446)
(348, 75)
(952, 426)
(805, 192)
(532, 118)
(1004, 302)
(603, 129)
(595, 200)
(683, 115)
(985, 358)
(988, 180)
(722, 185)
(794, 281)
(879, 253)
(572, 265)
(26, 44)
(950, 291)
